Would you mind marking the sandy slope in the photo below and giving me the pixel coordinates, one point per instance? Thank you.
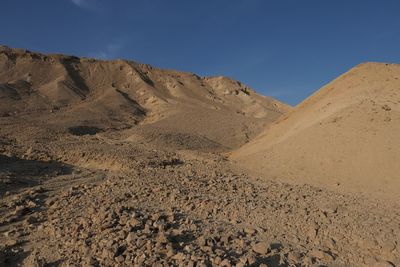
(345, 136)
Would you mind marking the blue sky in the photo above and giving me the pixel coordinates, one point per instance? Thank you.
(283, 48)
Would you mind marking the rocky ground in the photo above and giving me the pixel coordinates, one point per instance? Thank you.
(95, 201)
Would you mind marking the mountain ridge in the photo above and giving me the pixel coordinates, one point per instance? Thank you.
(121, 93)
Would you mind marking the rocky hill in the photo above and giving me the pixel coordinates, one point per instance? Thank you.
(71, 92)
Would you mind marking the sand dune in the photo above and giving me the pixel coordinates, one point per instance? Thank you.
(345, 136)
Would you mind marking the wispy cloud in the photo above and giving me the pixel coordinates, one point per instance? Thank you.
(92, 5)
(110, 51)
(80, 3)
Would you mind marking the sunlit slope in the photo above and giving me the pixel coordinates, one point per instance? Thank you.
(345, 136)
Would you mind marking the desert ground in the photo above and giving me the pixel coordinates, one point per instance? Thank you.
(117, 163)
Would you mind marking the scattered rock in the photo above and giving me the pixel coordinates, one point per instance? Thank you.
(261, 248)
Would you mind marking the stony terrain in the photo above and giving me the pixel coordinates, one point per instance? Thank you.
(79, 192)
(185, 208)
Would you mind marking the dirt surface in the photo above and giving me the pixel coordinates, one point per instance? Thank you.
(79, 192)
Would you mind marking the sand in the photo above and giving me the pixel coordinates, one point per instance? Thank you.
(344, 137)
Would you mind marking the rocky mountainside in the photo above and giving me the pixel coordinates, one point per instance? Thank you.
(345, 136)
(79, 92)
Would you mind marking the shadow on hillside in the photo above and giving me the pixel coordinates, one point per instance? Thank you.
(17, 173)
